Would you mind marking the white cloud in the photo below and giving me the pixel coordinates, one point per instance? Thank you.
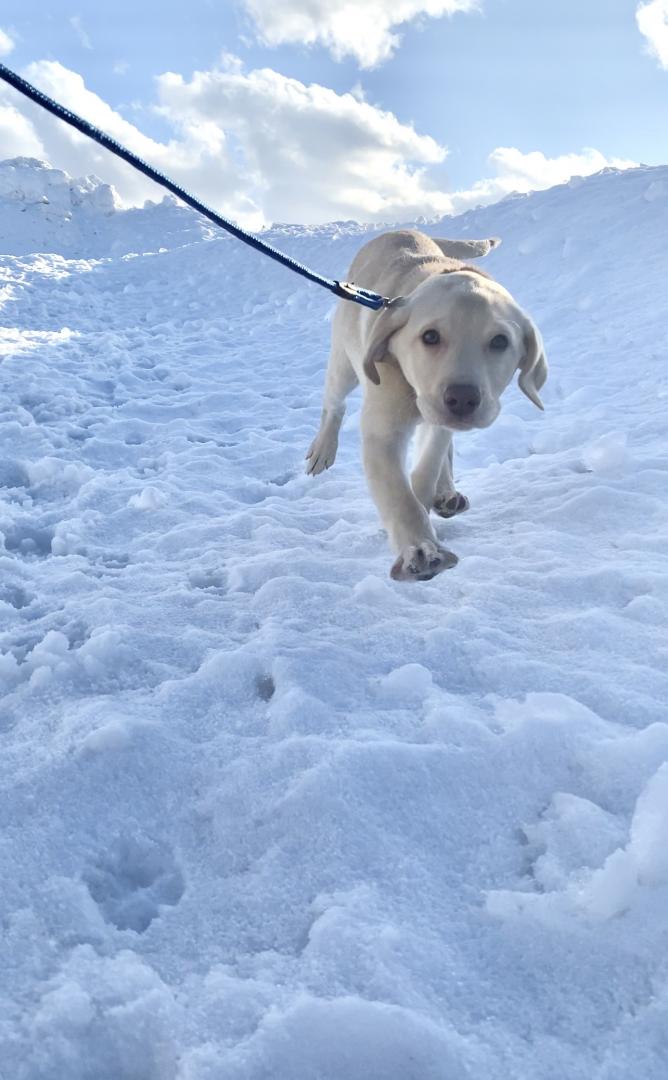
(198, 159)
(308, 153)
(652, 20)
(6, 43)
(264, 148)
(364, 29)
(518, 172)
(80, 31)
(17, 137)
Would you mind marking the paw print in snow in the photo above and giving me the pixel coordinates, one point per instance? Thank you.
(132, 881)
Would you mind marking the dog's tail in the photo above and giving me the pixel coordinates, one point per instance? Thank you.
(467, 249)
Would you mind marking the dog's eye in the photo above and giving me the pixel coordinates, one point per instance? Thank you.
(431, 337)
(499, 342)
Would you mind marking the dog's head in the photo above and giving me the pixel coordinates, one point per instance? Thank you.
(458, 338)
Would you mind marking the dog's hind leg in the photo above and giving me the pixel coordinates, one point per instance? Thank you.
(341, 379)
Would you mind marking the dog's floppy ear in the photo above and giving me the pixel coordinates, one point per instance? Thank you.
(533, 365)
(386, 323)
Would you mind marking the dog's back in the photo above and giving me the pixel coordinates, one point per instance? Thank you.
(408, 256)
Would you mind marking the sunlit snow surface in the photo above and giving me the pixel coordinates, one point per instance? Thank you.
(266, 814)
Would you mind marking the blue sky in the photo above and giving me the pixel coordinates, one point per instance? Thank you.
(553, 78)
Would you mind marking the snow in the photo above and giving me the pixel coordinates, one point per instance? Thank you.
(267, 813)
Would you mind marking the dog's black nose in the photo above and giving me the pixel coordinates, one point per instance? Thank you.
(461, 399)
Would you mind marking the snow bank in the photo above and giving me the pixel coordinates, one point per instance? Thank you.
(44, 209)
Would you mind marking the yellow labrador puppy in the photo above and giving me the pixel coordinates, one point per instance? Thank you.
(437, 360)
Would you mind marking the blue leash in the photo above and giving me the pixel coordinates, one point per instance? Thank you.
(343, 289)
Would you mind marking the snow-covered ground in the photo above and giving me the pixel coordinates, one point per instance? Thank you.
(266, 814)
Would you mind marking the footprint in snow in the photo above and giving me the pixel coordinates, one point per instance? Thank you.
(13, 475)
(209, 580)
(29, 541)
(133, 880)
(15, 596)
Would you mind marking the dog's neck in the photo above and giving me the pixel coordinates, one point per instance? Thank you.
(443, 265)
(469, 269)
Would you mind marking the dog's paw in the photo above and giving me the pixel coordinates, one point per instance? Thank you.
(322, 452)
(421, 562)
(449, 505)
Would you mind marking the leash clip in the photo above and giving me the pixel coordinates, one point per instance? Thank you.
(348, 291)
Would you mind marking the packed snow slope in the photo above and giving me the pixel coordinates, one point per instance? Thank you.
(266, 814)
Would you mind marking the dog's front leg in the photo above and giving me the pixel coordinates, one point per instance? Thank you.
(433, 448)
(384, 443)
(431, 478)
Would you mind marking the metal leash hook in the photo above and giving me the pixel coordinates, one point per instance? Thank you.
(348, 291)
(344, 290)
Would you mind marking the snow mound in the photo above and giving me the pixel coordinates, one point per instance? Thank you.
(44, 209)
(32, 182)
